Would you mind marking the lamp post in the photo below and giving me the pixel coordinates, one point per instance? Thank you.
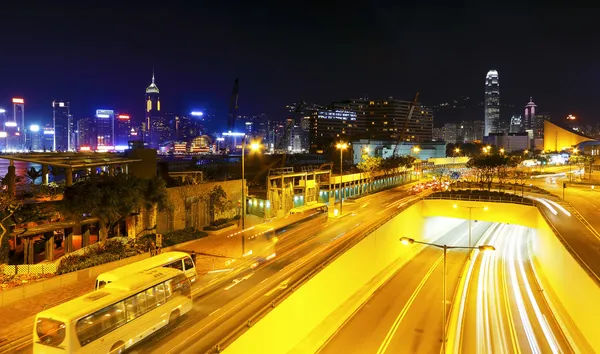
(456, 151)
(254, 146)
(341, 147)
(455, 206)
(483, 248)
(575, 151)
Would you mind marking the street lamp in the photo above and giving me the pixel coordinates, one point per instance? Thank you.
(502, 151)
(341, 147)
(254, 147)
(456, 206)
(482, 248)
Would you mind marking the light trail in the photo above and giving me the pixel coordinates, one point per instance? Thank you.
(558, 206)
(552, 210)
(503, 280)
(549, 336)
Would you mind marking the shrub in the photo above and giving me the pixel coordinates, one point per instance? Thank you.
(173, 238)
(217, 227)
(109, 251)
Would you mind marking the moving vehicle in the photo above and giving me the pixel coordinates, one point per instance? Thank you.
(178, 260)
(115, 317)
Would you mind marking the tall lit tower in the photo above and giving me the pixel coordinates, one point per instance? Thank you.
(19, 120)
(529, 122)
(153, 118)
(61, 120)
(492, 103)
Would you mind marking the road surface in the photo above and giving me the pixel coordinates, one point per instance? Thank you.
(504, 310)
(405, 314)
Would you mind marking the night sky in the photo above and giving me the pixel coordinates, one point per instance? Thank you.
(103, 58)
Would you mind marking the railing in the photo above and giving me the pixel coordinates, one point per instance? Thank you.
(49, 267)
(342, 248)
(481, 198)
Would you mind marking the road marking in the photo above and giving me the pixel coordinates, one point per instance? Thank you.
(282, 285)
(392, 331)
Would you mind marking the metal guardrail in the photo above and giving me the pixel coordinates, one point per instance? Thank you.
(477, 198)
(342, 248)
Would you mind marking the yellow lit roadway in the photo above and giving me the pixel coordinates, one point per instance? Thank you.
(298, 252)
(405, 314)
(503, 310)
(577, 221)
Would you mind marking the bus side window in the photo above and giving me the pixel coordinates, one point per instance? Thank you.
(178, 264)
(160, 293)
(188, 263)
(136, 306)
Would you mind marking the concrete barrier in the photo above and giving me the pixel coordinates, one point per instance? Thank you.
(312, 303)
(575, 293)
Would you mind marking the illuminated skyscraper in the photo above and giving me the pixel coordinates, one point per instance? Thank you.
(122, 131)
(105, 127)
(153, 118)
(61, 120)
(492, 103)
(87, 136)
(18, 122)
(529, 121)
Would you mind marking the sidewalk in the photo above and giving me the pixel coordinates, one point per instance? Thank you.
(213, 252)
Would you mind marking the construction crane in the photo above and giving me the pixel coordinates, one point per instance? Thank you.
(405, 127)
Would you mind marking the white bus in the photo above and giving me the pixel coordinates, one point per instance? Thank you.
(115, 317)
(177, 260)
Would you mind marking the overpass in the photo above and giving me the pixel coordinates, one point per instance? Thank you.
(308, 316)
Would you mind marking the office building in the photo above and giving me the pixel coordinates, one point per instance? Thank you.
(529, 116)
(122, 131)
(538, 132)
(450, 133)
(47, 138)
(153, 123)
(87, 136)
(330, 125)
(438, 134)
(105, 128)
(19, 137)
(61, 120)
(516, 124)
(386, 149)
(492, 103)
(387, 119)
(36, 141)
(478, 130)
(509, 141)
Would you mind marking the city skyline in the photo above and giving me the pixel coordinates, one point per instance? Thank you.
(196, 64)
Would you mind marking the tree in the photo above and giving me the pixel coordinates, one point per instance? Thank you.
(588, 161)
(8, 206)
(218, 201)
(369, 165)
(110, 198)
(489, 166)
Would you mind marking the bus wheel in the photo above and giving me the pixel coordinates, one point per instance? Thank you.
(117, 348)
(173, 317)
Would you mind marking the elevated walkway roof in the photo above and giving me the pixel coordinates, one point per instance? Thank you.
(71, 159)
